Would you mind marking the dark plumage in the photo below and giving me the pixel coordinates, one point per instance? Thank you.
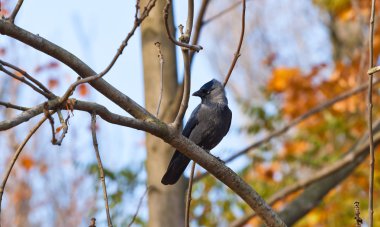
(208, 124)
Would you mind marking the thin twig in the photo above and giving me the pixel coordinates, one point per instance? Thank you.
(371, 148)
(296, 121)
(93, 222)
(51, 121)
(186, 60)
(198, 26)
(89, 79)
(188, 201)
(15, 157)
(12, 17)
(100, 167)
(29, 77)
(23, 80)
(237, 53)
(13, 106)
(64, 128)
(359, 220)
(138, 206)
(161, 58)
(190, 18)
(221, 13)
(186, 90)
(181, 44)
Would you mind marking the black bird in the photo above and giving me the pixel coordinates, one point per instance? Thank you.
(207, 126)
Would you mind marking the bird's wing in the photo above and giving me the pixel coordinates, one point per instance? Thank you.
(228, 119)
(192, 122)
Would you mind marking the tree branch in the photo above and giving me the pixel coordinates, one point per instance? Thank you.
(198, 26)
(12, 17)
(371, 148)
(28, 114)
(188, 201)
(237, 53)
(181, 44)
(13, 106)
(100, 167)
(23, 80)
(29, 77)
(83, 70)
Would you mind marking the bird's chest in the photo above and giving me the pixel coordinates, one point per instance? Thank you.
(213, 126)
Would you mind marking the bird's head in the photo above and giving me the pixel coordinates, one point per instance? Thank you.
(212, 91)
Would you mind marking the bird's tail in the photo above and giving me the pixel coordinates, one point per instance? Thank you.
(176, 167)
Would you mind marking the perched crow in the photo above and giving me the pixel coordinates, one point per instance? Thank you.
(207, 126)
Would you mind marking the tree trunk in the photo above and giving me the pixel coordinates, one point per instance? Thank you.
(166, 203)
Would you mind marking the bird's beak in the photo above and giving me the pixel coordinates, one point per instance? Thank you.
(198, 93)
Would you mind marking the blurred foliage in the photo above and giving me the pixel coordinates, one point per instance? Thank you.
(315, 143)
(121, 185)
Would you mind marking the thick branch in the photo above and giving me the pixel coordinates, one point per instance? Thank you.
(28, 114)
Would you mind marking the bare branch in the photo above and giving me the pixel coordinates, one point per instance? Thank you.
(181, 44)
(93, 222)
(23, 80)
(186, 90)
(359, 220)
(371, 147)
(64, 126)
(13, 106)
(136, 24)
(188, 201)
(51, 121)
(237, 53)
(83, 70)
(138, 206)
(221, 13)
(190, 18)
(12, 17)
(29, 77)
(15, 157)
(28, 114)
(198, 27)
(100, 167)
(161, 58)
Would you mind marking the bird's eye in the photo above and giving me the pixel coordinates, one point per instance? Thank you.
(208, 92)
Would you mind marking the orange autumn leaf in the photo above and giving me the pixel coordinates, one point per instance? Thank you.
(27, 162)
(58, 129)
(43, 168)
(52, 83)
(281, 78)
(52, 65)
(83, 90)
